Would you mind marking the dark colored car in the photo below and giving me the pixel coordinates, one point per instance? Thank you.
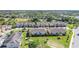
(78, 34)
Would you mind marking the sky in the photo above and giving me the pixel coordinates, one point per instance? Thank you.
(39, 4)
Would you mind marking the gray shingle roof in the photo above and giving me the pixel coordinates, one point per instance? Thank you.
(42, 24)
(57, 30)
(38, 31)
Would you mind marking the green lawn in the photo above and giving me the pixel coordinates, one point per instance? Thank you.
(40, 42)
(24, 42)
(61, 41)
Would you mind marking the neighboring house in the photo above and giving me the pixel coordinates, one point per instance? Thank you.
(57, 24)
(41, 24)
(36, 31)
(19, 25)
(29, 24)
(48, 31)
(14, 41)
(57, 31)
(9, 27)
(4, 28)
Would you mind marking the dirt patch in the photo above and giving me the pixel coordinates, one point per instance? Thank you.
(53, 44)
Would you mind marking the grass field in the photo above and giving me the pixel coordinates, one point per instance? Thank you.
(51, 41)
(54, 41)
(42, 42)
(22, 20)
(24, 42)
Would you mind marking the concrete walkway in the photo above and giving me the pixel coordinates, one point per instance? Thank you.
(70, 46)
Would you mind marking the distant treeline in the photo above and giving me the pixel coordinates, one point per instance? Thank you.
(37, 13)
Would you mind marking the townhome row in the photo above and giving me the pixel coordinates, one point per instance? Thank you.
(44, 28)
(5, 27)
(47, 31)
(41, 24)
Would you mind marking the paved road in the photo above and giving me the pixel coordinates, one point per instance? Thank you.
(2, 38)
(75, 38)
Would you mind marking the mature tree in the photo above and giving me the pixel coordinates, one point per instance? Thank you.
(70, 19)
(46, 41)
(2, 21)
(34, 43)
(49, 19)
(35, 20)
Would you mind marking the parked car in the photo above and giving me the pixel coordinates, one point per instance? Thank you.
(78, 34)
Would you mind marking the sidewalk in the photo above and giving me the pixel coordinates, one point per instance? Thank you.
(70, 46)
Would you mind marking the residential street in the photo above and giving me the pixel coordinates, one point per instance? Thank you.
(2, 39)
(75, 39)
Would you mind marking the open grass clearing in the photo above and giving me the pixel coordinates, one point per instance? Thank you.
(53, 41)
(22, 20)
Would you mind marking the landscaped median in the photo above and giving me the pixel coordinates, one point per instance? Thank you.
(47, 41)
(24, 42)
(69, 34)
